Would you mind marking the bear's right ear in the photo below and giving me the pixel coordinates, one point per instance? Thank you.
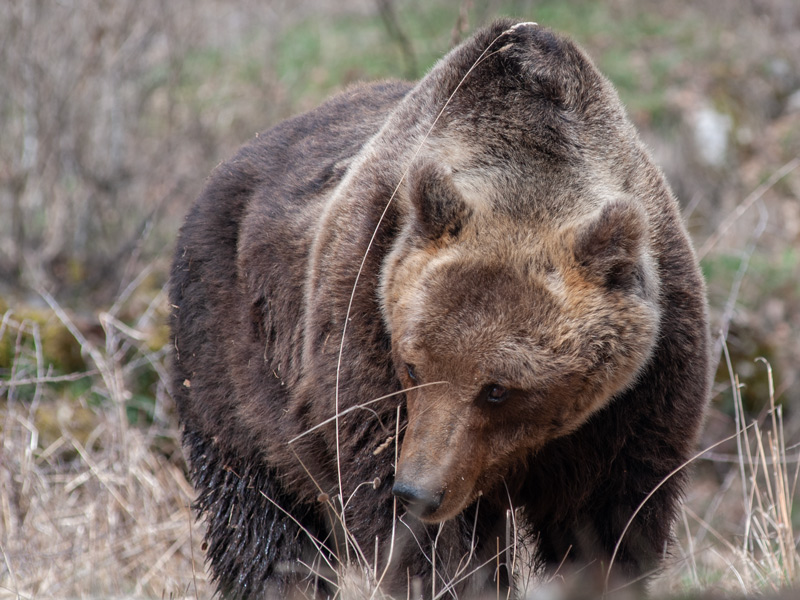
(609, 247)
(438, 206)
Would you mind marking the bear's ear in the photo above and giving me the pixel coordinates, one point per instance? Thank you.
(609, 246)
(438, 206)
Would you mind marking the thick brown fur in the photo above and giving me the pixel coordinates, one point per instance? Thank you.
(530, 292)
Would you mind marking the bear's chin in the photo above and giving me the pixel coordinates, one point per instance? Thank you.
(438, 516)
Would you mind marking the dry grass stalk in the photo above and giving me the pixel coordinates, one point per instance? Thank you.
(756, 552)
(94, 512)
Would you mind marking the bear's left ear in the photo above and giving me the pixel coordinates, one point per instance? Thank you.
(609, 246)
(439, 208)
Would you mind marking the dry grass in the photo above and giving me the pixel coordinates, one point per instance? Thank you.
(91, 506)
(744, 542)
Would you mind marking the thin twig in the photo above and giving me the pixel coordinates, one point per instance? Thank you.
(672, 473)
(69, 377)
(754, 196)
(733, 295)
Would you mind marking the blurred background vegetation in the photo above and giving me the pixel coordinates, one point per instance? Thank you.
(113, 113)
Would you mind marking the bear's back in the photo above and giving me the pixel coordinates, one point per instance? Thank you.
(250, 228)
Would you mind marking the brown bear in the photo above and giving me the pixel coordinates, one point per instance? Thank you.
(423, 311)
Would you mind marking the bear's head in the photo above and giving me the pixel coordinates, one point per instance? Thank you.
(508, 333)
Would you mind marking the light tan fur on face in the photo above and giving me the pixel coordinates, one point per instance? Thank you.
(511, 307)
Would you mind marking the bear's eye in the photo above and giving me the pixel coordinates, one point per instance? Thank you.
(411, 374)
(496, 393)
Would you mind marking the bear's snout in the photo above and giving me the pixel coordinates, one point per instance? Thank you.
(418, 500)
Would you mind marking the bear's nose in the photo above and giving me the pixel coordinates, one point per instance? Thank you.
(419, 501)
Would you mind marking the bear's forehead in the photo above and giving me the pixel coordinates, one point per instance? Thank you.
(492, 264)
(488, 351)
(489, 285)
(481, 304)
(483, 310)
